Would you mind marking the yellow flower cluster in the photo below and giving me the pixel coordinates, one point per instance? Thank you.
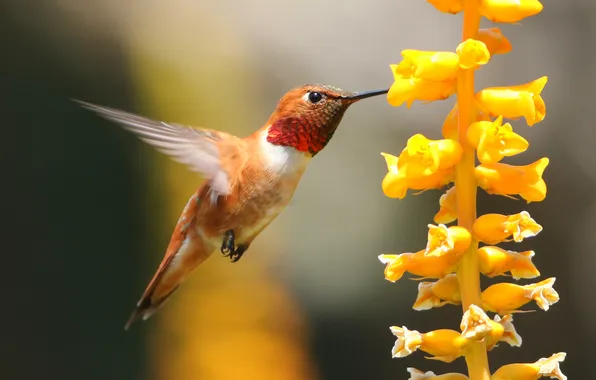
(475, 141)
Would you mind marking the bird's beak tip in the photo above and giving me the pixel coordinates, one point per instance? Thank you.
(366, 94)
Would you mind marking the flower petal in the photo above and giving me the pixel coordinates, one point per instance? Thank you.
(495, 41)
(416, 374)
(448, 207)
(448, 6)
(443, 240)
(396, 265)
(472, 54)
(406, 343)
(438, 293)
(509, 10)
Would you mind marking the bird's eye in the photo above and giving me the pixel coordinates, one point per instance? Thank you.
(314, 97)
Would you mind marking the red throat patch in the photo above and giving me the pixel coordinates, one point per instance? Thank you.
(299, 134)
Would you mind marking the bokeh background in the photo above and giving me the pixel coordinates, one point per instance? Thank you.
(88, 209)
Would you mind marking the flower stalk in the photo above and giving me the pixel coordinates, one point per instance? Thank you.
(468, 273)
(454, 257)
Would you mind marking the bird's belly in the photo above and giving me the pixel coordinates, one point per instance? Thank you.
(259, 213)
(246, 217)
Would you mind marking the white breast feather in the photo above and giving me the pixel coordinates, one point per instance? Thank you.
(283, 159)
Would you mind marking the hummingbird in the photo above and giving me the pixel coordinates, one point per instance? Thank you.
(247, 181)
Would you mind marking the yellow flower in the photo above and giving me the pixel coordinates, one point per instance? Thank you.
(439, 293)
(497, 228)
(515, 101)
(472, 54)
(532, 371)
(396, 184)
(447, 207)
(423, 75)
(505, 298)
(445, 345)
(525, 181)
(422, 157)
(495, 261)
(448, 6)
(495, 140)
(509, 10)
(449, 129)
(495, 41)
(476, 325)
(443, 240)
(418, 264)
(416, 374)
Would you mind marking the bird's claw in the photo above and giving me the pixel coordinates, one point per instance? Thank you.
(228, 243)
(229, 248)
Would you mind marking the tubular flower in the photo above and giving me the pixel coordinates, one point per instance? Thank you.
(423, 157)
(424, 76)
(448, 6)
(449, 129)
(495, 41)
(448, 207)
(472, 54)
(396, 183)
(525, 181)
(532, 371)
(476, 325)
(497, 228)
(509, 10)
(436, 294)
(418, 264)
(506, 298)
(416, 374)
(444, 345)
(515, 101)
(444, 240)
(495, 140)
(495, 261)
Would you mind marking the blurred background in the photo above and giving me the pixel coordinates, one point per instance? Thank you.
(88, 209)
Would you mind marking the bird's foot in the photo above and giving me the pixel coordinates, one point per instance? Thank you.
(228, 243)
(229, 248)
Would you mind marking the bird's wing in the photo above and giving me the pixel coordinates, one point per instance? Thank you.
(196, 148)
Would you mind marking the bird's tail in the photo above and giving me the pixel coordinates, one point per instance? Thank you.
(185, 252)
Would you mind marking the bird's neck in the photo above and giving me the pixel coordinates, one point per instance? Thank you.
(279, 158)
(300, 133)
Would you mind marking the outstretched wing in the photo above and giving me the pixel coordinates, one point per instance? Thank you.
(196, 148)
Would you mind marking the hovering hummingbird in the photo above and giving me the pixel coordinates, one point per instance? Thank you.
(248, 181)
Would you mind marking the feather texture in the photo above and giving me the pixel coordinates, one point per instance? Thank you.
(196, 148)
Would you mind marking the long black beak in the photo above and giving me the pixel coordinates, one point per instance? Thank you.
(366, 94)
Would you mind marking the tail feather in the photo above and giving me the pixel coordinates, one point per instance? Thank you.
(185, 252)
(145, 308)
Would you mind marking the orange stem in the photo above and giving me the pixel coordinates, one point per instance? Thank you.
(468, 273)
